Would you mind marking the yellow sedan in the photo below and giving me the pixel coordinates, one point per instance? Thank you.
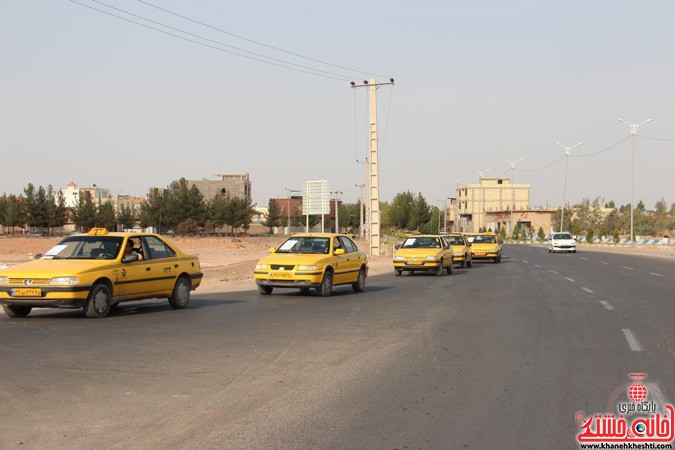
(461, 250)
(423, 253)
(99, 270)
(318, 261)
(485, 246)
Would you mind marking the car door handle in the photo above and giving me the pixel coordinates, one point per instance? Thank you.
(175, 266)
(148, 269)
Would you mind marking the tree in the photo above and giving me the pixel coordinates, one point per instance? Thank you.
(14, 212)
(151, 210)
(589, 236)
(105, 216)
(57, 212)
(126, 217)
(399, 212)
(541, 234)
(84, 212)
(555, 220)
(273, 218)
(420, 213)
(187, 227)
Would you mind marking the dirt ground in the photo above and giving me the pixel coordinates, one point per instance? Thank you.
(227, 262)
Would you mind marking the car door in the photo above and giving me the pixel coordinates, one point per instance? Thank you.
(133, 279)
(353, 259)
(162, 264)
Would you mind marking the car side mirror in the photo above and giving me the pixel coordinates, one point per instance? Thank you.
(397, 246)
(339, 251)
(37, 256)
(500, 241)
(271, 249)
(129, 258)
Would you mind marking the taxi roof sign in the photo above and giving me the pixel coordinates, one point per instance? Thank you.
(98, 231)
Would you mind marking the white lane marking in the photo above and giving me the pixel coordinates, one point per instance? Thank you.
(570, 279)
(526, 262)
(655, 274)
(537, 266)
(587, 290)
(583, 257)
(553, 271)
(604, 262)
(632, 340)
(606, 305)
(629, 268)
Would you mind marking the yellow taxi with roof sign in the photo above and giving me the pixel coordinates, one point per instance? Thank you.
(485, 246)
(319, 261)
(99, 270)
(423, 252)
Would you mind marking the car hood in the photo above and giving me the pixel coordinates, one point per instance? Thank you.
(293, 259)
(484, 247)
(49, 268)
(417, 252)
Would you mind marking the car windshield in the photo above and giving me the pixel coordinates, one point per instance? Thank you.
(85, 247)
(562, 236)
(421, 242)
(455, 240)
(482, 239)
(311, 245)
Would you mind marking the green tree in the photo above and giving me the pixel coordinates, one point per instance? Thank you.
(541, 234)
(57, 212)
(105, 216)
(400, 210)
(187, 227)
(126, 217)
(273, 218)
(420, 213)
(14, 213)
(589, 236)
(84, 212)
(151, 211)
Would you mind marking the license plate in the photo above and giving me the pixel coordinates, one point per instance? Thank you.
(479, 253)
(281, 274)
(415, 263)
(26, 292)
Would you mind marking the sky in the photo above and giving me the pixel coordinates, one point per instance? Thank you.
(91, 98)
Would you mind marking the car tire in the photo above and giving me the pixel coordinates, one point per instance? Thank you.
(398, 272)
(360, 284)
(463, 264)
(449, 269)
(264, 290)
(574, 251)
(498, 259)
(16, 312)
(439, 270)
(549, 250)
(180, 297)
(326, 284)
(99, 302)
(469, 264)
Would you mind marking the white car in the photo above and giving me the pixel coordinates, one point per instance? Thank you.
(562, 242)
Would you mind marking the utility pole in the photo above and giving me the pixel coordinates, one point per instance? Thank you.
(374, 179)
(513, 192)
(361, 230)
(365, 228)
(337, 206)
(633, 131)
(567, 159)
(458, 220)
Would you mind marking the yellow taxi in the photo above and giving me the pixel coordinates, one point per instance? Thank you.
(318, 261)
(98, 270)
(461, 249)
(423, 252)
(485, 246)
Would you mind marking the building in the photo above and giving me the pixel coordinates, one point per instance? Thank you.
(523, 219)
(474, 201)
(71, 194)
(233, 185)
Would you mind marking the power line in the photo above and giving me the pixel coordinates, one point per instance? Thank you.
(602, 151)
(256, 42)
(386, 123)
(310, 70)
(656, 139)
(541, 168)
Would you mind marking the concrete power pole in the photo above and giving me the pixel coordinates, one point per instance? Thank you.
(374, 179)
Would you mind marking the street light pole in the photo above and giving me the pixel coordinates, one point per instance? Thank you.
(513, 193)
(567, 159)
(458, 225)
(633, 131)
(337, 205)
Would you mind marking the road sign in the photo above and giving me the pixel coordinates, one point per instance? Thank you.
(316, 197)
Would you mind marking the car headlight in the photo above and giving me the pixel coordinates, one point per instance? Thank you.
(261, 267)
(399, 258)
(306, 267)
(4, 280)
(431, 258)
(64, 280)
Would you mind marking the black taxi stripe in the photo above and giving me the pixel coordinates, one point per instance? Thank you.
(144, 280)
(80, 288)
(194, 276)
(346, 271)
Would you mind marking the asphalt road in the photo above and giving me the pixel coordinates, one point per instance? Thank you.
(498, 355)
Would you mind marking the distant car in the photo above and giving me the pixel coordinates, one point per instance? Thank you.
(423, 253)
(485, 246)
(461, 250)
(562, 242)
(91, 271)
(318, 261)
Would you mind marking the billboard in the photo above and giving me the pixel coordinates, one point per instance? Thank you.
(316, 197)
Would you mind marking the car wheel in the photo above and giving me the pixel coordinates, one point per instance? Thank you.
(439, 270)
(549, 250)
(463, 264)
(264, 290)
(574, 251)
(449, 269)
(469, 263)
(99, 302)
(326, 284)
(360, 284)
(498, 259)
(14, 311)
(398, 272)
(181, 293)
